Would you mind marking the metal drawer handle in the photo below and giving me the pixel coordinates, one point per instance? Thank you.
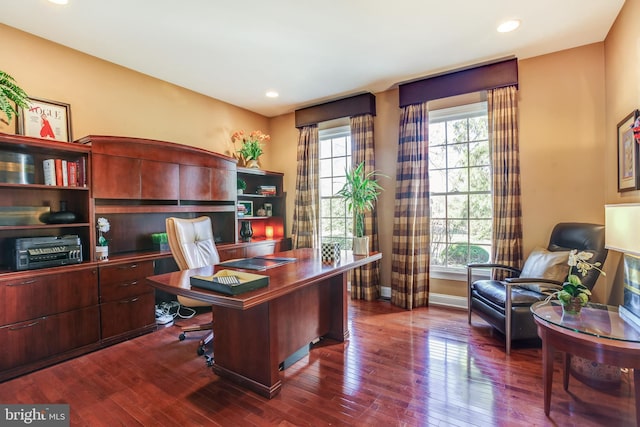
(129, 301)
(124, 285)
(26, 282)
(126, 267)
(29, 325)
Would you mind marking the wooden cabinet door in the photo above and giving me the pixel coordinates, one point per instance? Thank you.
(127, 315)
(43, 337)
(159, 180)
(195, 182)
(115, 177)
(223, 184)
(45, 294)
(260, 249)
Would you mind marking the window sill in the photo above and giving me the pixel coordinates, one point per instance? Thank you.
(457, 274)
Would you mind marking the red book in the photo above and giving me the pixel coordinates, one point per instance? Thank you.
(59, 172)
(72, 174)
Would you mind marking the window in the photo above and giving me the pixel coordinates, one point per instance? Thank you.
(336, 224)
(460, 187)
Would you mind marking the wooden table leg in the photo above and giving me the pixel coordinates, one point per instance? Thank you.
(567, 369)
(547, 373)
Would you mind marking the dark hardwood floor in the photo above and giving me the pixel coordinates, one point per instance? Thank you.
(425, 367)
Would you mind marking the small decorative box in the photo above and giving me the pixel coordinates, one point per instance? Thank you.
(331, 252)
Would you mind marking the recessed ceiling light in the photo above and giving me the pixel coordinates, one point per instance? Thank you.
(59, 1)
(508, 26)
(272, 94)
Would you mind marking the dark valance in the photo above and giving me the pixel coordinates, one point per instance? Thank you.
(469, 80)
(347, 107)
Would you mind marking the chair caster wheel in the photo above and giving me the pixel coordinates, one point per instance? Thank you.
(182, 337)
(209, 361)
(200, 350)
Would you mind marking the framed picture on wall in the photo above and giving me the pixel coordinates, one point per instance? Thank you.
(628, 178)
(45, 119)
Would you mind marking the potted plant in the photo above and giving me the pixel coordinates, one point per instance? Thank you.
(10, 93)
(242, 185)
(359, 193)
(251, 148)
(574, 295)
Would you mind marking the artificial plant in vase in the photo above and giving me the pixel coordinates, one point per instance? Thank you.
(10, 94)
(574, 295)
(102, 246)
(251, 148)
(360, 192)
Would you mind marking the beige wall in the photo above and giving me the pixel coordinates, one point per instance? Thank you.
(107, 99)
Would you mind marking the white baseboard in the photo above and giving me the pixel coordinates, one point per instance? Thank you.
(443, 300)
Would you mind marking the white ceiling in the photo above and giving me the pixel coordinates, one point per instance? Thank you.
(310, 52)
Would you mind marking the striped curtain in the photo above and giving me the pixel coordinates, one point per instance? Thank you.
(502, 106)
(410, 241)
(365, 281)
(305, 231)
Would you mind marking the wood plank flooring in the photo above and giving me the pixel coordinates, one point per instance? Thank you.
(424, 367)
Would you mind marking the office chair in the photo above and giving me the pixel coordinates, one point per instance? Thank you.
(192, 246)
(505, 304)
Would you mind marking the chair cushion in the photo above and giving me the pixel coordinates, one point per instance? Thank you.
(545, 264)
(495, 292)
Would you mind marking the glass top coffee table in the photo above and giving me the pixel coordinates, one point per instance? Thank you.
(598, 333)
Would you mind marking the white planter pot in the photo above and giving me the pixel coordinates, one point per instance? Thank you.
(361, 245)
(102, 253)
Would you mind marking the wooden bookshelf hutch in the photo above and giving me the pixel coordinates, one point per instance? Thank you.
(56, 313)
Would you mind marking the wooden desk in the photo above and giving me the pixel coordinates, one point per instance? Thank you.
(598, 334)
(255, 332)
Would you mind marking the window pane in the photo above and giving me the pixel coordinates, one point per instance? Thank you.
(325, 207)
(438, 232)
(479, 153)
(339, 165)
(457, 207)
(338, 208)
(339, 147)
(437, 157)
(480, 231)
(457, 131)
(458, 180)
(437, 133)
(438, 254)
(438, 207)
(478, 128)
(480, 178)
(457, 231)
(457, 155)
(480, 205)
(325, 187)
(338, 183)
(325, 168)
(438, 181)
(325, 149)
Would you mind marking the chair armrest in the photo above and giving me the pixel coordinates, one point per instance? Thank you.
(498, 266)
(520, 280)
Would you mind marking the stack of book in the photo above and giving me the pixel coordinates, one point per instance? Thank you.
(267, 190)
(65, 173)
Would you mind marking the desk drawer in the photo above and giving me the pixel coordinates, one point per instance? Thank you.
(126, 315)
(124, 280)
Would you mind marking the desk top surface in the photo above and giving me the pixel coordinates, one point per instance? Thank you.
(307, 269)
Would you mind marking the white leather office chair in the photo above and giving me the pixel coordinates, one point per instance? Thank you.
(192, 246)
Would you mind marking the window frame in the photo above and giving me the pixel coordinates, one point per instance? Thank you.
(447, 114)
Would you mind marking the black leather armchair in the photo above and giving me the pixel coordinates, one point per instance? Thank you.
(505, 304)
